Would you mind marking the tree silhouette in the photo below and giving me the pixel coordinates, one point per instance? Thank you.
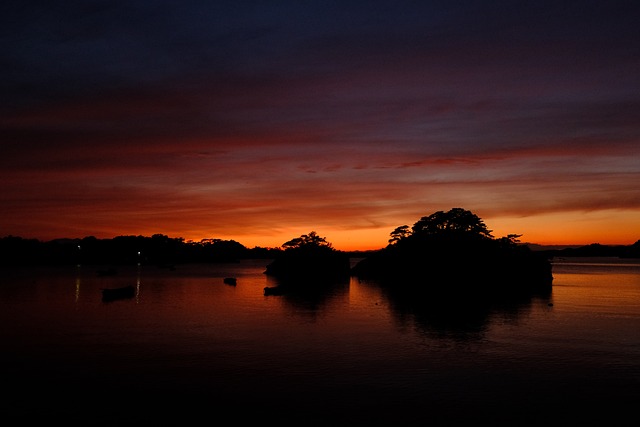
(456, 220)
(399, 233)
(306, 241)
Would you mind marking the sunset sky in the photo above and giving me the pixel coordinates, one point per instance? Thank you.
(259, 121)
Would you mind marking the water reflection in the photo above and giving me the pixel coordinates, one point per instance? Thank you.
(78, 283)
(308, 296)
(359, 352)
(87, 281)
(452, 315)
(138, 282)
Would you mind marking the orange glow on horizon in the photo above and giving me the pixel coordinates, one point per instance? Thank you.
(573, 228)
(568, 229)
(610, 227)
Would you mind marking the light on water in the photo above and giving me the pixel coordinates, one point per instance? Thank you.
(188, 345)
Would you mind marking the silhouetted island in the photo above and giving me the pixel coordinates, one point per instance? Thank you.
(307, 262)
(454, 251)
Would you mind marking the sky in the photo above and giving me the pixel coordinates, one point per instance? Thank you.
(260, 121)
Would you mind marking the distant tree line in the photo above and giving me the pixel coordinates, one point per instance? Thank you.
(598, 250)
(158, 249)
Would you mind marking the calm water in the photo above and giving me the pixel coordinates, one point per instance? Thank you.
(189, 349)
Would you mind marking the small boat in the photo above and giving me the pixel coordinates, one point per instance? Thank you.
(113, 294)
(230, 281)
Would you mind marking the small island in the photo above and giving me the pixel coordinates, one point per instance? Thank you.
(307, 262)
(454, 252)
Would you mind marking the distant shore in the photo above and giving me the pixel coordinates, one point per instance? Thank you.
(163, 250)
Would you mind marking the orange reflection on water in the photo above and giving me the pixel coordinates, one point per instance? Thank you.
(596, 284)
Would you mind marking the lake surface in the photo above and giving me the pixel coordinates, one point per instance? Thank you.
(190, 349)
